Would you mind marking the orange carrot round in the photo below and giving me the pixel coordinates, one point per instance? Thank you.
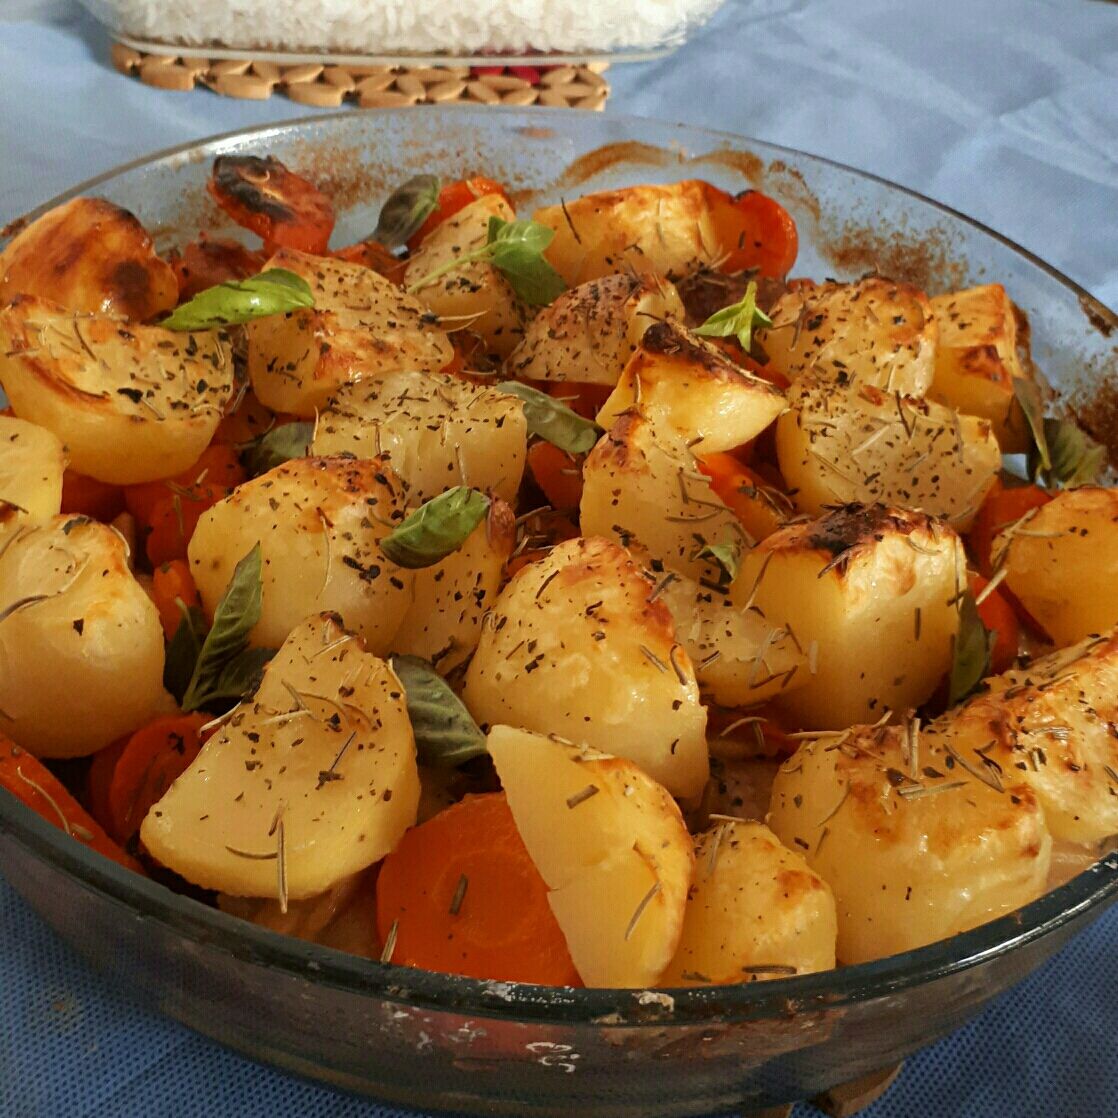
(755, 230)
(740, 487)
(86, 496)
(461, 895)
(1003, 506)
(1000, 619)
(173, 583)
(557, 474)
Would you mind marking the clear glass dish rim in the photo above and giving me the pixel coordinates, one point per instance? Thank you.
(1091, 891)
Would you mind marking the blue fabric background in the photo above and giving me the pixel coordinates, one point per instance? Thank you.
(1004, 109)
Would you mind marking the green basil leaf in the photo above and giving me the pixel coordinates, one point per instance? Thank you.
(436, 529)
(183, 649)
(275, 291)
(516, 250)
(1032, 404)
(445, 733)
(737, 320)
(726, 555)
(239, 677)
(1076, 459)
(552, 420)
(279, 445)
(236, 615)
(407, 208)
(973, 645)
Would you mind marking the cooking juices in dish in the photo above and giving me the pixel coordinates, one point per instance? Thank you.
(572, 598)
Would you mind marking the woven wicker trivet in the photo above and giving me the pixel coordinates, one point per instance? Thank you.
(381, 87)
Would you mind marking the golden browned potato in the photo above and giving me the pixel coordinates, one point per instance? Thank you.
(89, 255)
(437, 430)
(1051, 726)
(130, 403)
(450, 599)
(914, 847)
(309, 782)
(684, 384)
(1062, 563)
(590, 332)
(977, 361)
(610, 844)
(575, 645)
(361, 325)
(871, 594)
(652, 230)
(32, 462)
(319, 523)
(305, 919)
(477, 296)
(837, 444)
(755, 911)
(642, 484)
(874, 332)
(81, 646)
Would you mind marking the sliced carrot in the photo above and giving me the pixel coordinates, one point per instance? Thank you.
(86, 496)
(453, 197)
(750, 498)
(1003, 506)
(249, 421)
(218, 468)
(373, 255)
(465, 898)
(207, 262)
(772, 739)
(584, 399)
(1000, 619)
(756, 232)
(154, 758)
(557, 473)
(172, 583)
(33, 784)
(99, 777)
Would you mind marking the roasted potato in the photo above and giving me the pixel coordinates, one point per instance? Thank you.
(589, 333)
(875, 332)
(91, 256)
(871, 594)
(611, 846)
(838, 444)
(81, 646)
(651, 230)
(305, 919)
(1061, 563)
(977, 361)
(1051, 726)
(641, 484)
(914, 848)
(319, 522)
(755, 911)
(576, 646)
(361, 325)
(131, 403)
(437, 431)
(32, 462)
(683, 384)
(310, 782)
(450, 599)
(476, 296)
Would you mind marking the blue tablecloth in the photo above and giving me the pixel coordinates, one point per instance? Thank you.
(1004, 109)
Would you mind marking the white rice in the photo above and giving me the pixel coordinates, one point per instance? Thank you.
(407, 26)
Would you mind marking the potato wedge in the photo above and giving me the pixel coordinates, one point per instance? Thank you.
(755, 911)
(574, 646)
(977, 361)
(1062, 563)
(1050, 726)
(450, 599)
(81, 646)
(684, 384)
(32, 462)
(362, 325)
(319, 522)
(651, 230)
(914, 849)
(871, 594)
(437, 431)
(589, 333)
(740, 659)
(875, 332)
(131, 403)
(310, 782)
(642, 484)
(476, 296)
(91, 256)
(839, 444)
(611, 846)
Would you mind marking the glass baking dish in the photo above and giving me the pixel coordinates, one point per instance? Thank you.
(403, 32)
